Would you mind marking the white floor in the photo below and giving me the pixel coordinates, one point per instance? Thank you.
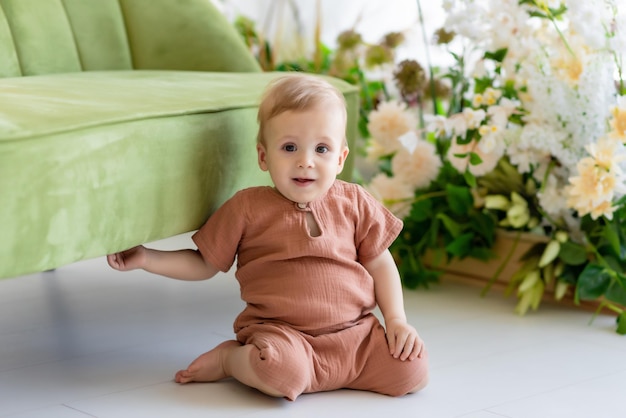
(86, 341)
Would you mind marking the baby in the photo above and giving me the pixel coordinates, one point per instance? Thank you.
(312, 263)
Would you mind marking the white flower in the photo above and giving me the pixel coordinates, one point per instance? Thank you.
(438, 125)
(553, 197)
(409, 141)
(473, 118)
(500, 113)
(490, 135)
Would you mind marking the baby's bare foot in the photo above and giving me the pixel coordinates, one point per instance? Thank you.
(208, 367)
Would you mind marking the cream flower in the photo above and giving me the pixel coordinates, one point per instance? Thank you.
(478, 100)
(618, 121)
(375, 150)
(608, 153)
(419, 167)
(458, 155)
(491, 96)
(395, 194)
(457, 124)
(593, 190)
(388, 122)
(490, 149)
(500, 113)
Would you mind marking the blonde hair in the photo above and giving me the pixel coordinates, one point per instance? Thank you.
(296, 92)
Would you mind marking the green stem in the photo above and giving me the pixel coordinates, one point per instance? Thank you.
(618, 63)
(608, 305)
(550, 16)
(419, 198)
(365, 90)
(430, 195)
(502, 265)
(433, 89)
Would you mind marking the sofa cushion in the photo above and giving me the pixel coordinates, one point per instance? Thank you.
(96, 162)
(58, 36)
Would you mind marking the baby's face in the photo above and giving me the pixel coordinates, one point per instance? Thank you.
(304, 151)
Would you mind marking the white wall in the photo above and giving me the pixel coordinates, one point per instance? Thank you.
(283, 20)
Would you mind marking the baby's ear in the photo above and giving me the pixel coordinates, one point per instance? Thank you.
(262, 154)
(342, 159)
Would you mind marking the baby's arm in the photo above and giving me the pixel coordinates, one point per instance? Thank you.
(181, 264)
(404, 342)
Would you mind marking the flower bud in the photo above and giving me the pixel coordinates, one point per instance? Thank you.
(517, 199)
(349, 39)
(561, 289)
(561, 236)
(393, 39)
(550, 253)
(410, 77)
(497, 201)
(518, 215)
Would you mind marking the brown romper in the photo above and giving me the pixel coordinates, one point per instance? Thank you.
(308, 298)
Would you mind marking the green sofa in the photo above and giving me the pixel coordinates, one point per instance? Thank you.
(121, 122)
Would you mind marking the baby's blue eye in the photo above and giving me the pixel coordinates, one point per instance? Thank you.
(289, 147)
(322, 149)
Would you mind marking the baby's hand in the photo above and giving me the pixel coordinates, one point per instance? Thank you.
(404, 342)
(130, 259)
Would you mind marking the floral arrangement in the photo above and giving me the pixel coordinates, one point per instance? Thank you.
(530, 138)
(525, 132)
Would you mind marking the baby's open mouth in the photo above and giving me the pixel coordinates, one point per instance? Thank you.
(302, 180)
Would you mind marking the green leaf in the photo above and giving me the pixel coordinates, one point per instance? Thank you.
(469, 136)
(470, 179)
(573, 254)
(484, 225)
(453, 227)
(459, 199)
(421, 210)
(617, 291)
(384, 164)
(414, 274)
(475, 158)
(481, 84)
(593, 282)
(461, 246)
(481, 253)
(611, 234)
(498, 55)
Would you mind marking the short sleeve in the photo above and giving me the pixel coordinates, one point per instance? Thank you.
(376, 229)
(218, 239)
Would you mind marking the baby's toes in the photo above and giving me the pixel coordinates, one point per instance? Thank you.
(183, 376)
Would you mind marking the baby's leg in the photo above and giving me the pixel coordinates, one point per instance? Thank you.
(379, 372)
(229, 359)
(208, 367)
